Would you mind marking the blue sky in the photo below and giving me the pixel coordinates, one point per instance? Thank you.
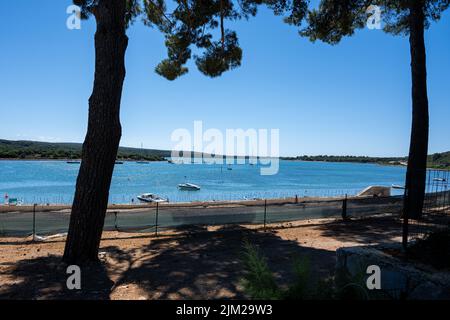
(353, 98)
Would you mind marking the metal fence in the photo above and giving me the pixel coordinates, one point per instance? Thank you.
(436, 208)
(161, 216)
(129, 199)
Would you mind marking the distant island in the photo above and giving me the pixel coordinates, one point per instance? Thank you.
(35, 150)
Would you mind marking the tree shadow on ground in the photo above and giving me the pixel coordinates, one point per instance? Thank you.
(45, 278)
(368, 231)
(189, 265)
(208, 264)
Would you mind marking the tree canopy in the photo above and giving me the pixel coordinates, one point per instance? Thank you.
(193, 24)
(334, 19)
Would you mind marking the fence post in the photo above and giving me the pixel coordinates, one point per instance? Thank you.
(265, 213)
(405, 222)
(34, 221)
(115, 221)
(156, 219)
(344, 208)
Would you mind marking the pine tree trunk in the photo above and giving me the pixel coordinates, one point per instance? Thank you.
(418, 150)
(103, 135)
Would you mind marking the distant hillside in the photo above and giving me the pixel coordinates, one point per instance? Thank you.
(46, 150)
(359, 159)
(437, 160)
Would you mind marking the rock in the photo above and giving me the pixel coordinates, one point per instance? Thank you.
(398, 277)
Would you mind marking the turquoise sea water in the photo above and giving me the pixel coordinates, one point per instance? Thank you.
(54, 181)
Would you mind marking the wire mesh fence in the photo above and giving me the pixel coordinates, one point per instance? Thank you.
(436, 208)
(130, 199)
(162, 216)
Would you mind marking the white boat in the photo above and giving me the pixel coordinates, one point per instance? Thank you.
(150, 197)
(396, 186)
(188, 186)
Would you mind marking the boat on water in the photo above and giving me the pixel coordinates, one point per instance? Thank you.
(188, 186)
(150, 197)
(397, 186)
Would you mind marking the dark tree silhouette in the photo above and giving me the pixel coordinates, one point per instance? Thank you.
(335, 19)
(191, 23)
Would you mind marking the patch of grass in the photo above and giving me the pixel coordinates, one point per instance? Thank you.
(259, 282)
(299, 289)
(306, 287)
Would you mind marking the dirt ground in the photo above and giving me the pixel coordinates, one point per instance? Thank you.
(190, 263)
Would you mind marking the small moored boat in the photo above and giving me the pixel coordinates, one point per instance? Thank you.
(188, 186)
(396, 186)
(150, 197)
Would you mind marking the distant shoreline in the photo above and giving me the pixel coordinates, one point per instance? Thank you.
(69, 160)
(281, 158)
(132, 160)
(47, 151)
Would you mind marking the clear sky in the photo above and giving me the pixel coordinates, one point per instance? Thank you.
(353, 98)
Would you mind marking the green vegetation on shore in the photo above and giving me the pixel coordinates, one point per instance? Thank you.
(439, 160)
(360, 159)
(35, 150)
(436, 160)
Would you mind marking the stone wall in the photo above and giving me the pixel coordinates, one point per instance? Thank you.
(399, 278)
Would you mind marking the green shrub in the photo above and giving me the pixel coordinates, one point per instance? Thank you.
(301, 287)
(259, 281)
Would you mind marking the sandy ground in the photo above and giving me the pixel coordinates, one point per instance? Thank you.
(190, 263)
